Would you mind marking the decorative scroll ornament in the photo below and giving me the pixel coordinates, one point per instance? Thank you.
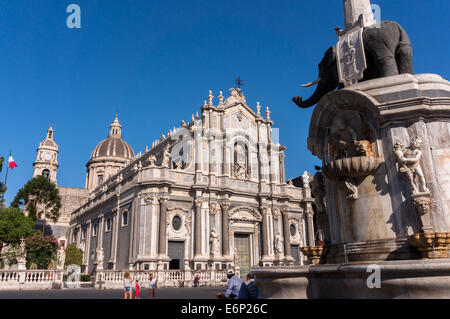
(236, 96)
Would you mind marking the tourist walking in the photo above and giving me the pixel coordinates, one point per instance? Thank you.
(153, 285)
(127, 282)
(137, 289)
(196, 280)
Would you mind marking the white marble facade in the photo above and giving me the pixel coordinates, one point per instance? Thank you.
(208, 195)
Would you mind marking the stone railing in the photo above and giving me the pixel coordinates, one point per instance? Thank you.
(113, 279)
(30, 279)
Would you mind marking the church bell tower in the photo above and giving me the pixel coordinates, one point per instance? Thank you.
(46, 163)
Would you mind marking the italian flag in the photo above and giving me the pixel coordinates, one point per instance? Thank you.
(11, 163)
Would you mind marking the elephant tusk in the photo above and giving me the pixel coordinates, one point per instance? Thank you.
(310, 84)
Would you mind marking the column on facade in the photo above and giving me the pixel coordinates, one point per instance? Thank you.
(162, 226)
(225, 230)
(133, 231)
(115, 234)
(310, 224)
(265, 233)
(78, 239)
(282, 170)
(100, 231)
(87, 243)
(198, 226)
(286, 233)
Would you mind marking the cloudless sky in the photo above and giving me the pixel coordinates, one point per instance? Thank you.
(154, 61)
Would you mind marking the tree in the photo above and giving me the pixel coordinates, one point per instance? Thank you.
(41, 250)
(74, 256)
(40, 198)
(14, 225)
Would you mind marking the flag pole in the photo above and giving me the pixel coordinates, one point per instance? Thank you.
(4, 184)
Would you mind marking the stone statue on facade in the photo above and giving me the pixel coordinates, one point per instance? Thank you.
(278, 245)
(409, 163)
(306, 178)
(166, 157)
(152, 160)
(214, 240)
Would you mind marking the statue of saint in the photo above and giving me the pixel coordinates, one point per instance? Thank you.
(278, 244)
(214, 240)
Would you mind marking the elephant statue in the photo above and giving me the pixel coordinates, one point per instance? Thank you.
(388, 52)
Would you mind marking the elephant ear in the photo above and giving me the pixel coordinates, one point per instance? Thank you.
(330, 56)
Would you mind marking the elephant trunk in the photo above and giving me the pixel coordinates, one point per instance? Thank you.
(328, 80)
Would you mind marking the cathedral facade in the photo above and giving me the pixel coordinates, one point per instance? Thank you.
(212, 194)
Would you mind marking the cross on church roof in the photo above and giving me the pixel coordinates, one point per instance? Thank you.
(239, 82)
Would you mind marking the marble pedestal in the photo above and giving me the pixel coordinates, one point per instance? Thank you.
(383, 211)
(402, 279)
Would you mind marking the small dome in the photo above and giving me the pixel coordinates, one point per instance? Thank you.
(114, 145)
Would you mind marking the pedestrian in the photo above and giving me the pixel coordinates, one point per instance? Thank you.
(196, 280)
(249, 290)
(127, 282)
(137, 290)
(233, 287)
(153, 285)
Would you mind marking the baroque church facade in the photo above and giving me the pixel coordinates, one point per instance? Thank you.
(212, 194)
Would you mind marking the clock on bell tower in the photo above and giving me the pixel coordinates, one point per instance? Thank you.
(46, 163)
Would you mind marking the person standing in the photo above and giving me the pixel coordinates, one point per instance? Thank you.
(196, 280)
(137, 290)
(127, 282)
(153, 285)
(233, 287)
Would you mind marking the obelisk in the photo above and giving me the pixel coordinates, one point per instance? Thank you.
(354, 8)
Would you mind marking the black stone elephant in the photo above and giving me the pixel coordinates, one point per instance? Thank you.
(388, 52)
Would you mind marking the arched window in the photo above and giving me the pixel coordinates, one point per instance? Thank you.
(125, 218)
(46, 173)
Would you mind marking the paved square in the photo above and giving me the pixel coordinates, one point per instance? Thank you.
(89, 293)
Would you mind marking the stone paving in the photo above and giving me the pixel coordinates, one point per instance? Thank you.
(89, 293)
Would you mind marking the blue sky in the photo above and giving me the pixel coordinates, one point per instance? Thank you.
(153, 62)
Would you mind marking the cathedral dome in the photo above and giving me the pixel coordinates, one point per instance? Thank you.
(113, 146)
(108, 157)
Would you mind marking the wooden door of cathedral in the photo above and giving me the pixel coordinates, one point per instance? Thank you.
(242, 245)
(175, 250)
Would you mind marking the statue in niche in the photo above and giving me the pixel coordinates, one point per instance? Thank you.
(408, 159)
(240, 161)
(349, 136)
(278, 245)
(214, 240)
